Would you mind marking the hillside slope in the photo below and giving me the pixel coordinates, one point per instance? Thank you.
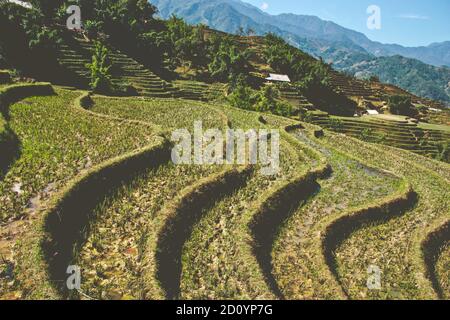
(421, 79)
(348, 50)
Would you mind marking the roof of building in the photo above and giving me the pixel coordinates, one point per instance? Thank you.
(278, 77)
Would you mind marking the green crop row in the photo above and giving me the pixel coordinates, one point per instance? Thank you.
(395, 246)
(301, 266)
(59, 140)
(114, 268)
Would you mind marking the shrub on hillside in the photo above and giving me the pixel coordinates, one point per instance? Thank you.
(443, 152)
(267, 99)
(100, 70)
(366, 135)
(44, 40)
(422, 109)
(370, 135)
(401, 105)
(311, 77)
(3, 62)
(336, 125)
(47, 9)
(242, 97)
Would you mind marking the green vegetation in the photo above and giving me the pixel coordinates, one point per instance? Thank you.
(335, 124)
(113, 268)
(185, 43)
(443, 152)
(87, 179)
(228, 63)
(310, 77)
(413, 75)
(299, 66)
(424, 140)
(298, 267)
(100, 70)
(218, 260)
(442, 270)
(267, 99)
(58, 141)
(388, 242)
(234, 237)
(160, 111)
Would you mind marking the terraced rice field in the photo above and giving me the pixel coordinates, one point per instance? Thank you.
(95, 187)
(440, 117)
(114, 269)
(352, 87)
(423, 140)
(221, 245)
(75, 53)
(295, 98)
(443, 274)
(351, 184)
(57, 140)
(195, 90)
(395, 246)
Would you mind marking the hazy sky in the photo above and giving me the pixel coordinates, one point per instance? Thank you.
(406, 22)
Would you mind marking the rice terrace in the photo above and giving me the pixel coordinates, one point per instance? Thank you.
(146, 157)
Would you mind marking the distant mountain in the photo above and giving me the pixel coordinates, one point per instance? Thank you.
(422, 79)
(346, 49)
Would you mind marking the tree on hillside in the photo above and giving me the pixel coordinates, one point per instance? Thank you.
(135, 15)
(267, 99)
(28, 35)
(14, 47)
(187, 47)
(129, 24)
(140, 14)
(228, 62)
(243, 97)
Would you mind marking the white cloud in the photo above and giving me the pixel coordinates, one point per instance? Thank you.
(264, 6)
(413, 16)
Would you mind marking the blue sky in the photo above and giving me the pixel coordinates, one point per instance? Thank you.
(406, 22)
